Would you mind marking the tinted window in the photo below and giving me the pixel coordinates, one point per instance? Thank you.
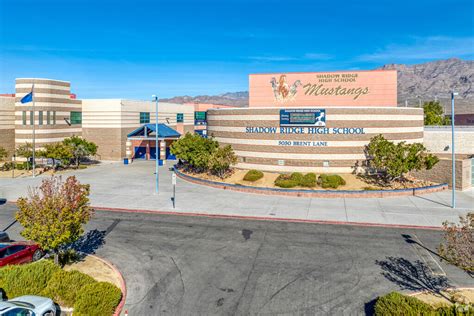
(18, 312)
(2, 253)
(76, 117)
(15, 249)
(144, 117)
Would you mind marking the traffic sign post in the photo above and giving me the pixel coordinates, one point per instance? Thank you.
(173, 181)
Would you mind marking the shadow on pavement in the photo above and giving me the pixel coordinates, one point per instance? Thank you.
(432, 201)
(412, 276)
(88, 243)
(410, 240)
(369, 307)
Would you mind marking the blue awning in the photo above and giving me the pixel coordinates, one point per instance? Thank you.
(164, 131)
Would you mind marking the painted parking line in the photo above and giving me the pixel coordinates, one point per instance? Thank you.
(427, 257)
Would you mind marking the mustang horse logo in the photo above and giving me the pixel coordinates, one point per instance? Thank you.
(282, 91)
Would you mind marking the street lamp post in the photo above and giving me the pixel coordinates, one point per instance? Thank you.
(155, 98)
(453, 154)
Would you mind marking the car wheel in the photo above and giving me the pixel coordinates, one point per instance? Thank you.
(49, 313)
(37, 255)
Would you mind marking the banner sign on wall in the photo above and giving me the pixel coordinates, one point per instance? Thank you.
(302, 117)
(200, 118)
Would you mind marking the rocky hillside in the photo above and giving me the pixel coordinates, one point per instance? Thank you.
(427, 81)
(240, 99)
(435, 80)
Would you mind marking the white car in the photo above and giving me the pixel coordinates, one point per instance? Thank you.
(28, 305)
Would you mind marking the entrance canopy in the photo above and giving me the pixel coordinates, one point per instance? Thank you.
(144, 132)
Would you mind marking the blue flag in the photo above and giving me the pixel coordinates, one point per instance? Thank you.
(27, 98)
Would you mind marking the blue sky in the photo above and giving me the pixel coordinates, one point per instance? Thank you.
(136, 48)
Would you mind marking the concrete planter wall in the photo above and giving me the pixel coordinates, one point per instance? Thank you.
(314, 193)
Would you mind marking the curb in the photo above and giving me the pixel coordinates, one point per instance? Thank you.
(123, 286)
(265, 218)
(312, 193)
(261, 218)
(448, 289)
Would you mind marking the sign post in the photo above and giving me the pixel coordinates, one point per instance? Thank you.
(173, 181)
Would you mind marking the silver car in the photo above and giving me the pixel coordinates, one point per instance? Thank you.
(28, 305)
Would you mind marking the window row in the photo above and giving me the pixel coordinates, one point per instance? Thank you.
(145, 117)
(74, 118)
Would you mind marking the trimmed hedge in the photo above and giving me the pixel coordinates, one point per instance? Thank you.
(396, 304)
(253, 175)
(296, 179)
(309, 180)
(68, 288)
(330, 181)
(97, 299)
(285, 181)
(27, 279)
(65, 286)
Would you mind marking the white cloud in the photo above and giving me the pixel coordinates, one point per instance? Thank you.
(435, 47)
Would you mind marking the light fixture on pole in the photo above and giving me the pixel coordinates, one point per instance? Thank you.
(155, 98)
(453, 154)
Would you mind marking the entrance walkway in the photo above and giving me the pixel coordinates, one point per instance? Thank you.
(114, 185)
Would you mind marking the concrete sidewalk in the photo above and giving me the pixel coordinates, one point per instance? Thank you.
(114, 185)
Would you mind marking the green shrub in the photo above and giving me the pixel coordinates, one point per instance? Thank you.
(65, 286)
(19, 166)
(455, 310)
(330, 181)
(98, 299)
(309, 180)
(398, 304)
(253, 175)
(285, 181)
(26, 279)
(297, 177)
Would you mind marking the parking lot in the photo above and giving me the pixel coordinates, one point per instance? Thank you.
(183, 265)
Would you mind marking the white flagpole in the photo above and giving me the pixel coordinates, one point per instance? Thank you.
(34, 134)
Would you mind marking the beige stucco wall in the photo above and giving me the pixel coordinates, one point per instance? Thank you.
(49, 95)
(438, 139)
(107, 122)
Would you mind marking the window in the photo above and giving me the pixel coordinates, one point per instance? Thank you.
(144, 117)
(14, 249)
(19, 311)
(76, 118)
(48, 117)
(23, 117)
(40, 118)
(32, 117)
(179, 118)
(54, 117)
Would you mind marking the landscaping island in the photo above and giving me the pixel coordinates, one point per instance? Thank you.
(353, 185)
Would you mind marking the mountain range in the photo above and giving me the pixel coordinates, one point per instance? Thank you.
(416, 83)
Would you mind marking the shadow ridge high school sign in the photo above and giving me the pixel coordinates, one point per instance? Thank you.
(376, 88)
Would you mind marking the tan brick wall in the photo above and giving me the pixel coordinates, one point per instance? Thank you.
(7, 141)
(303, 149)
(441, 173)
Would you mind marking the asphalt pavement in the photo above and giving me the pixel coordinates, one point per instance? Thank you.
(185, 265)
